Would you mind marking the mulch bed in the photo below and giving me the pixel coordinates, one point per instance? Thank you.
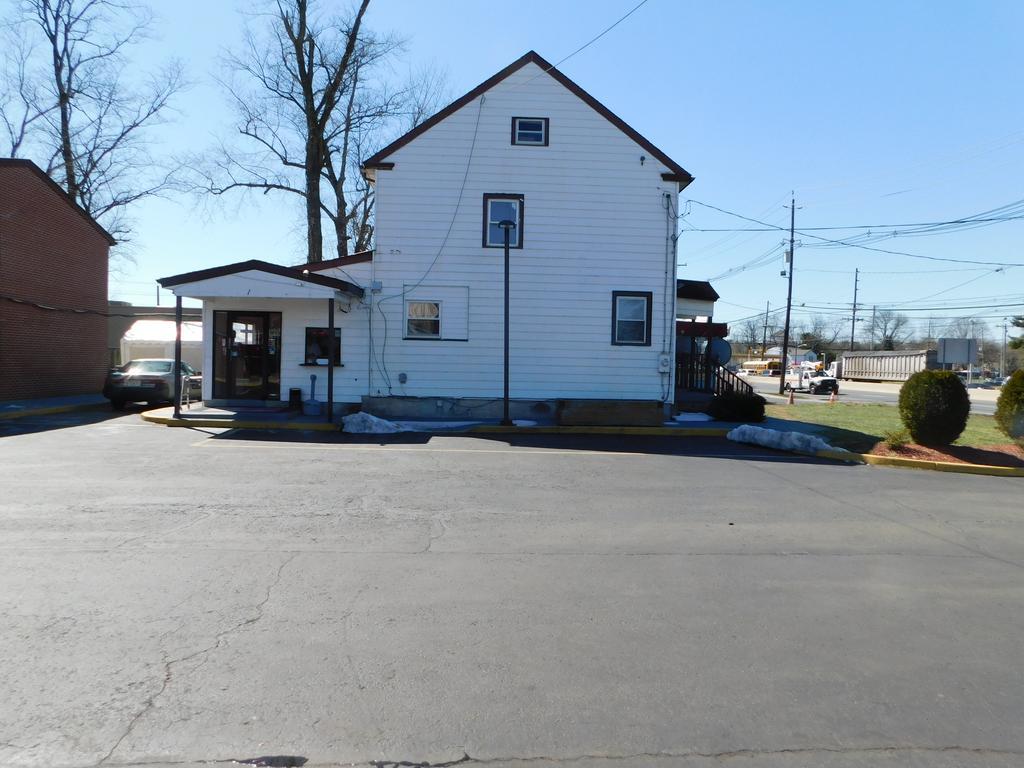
(1008, 455)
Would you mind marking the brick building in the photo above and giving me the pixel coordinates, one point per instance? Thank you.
(53, 265)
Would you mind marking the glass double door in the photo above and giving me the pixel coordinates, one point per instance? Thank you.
(247, 355)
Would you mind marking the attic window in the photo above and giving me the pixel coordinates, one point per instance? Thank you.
(530, 131)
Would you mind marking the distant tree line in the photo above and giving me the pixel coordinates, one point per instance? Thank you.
(829, 335)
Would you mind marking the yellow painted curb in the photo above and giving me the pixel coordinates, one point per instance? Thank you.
(652, 431)
(935, 466)
(170, 421)
(52, 409)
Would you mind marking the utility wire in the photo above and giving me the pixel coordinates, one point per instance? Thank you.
(804, 233)
(590, 42)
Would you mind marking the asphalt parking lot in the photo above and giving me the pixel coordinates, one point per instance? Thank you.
(186, 597)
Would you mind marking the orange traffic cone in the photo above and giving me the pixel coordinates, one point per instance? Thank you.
(792, 399)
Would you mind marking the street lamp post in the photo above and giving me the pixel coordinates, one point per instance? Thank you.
(506, 226)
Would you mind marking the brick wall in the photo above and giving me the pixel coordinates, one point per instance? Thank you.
(49, 254)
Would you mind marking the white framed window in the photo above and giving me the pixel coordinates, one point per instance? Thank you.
(498, 208)
(530, 131)
(422, 319)
(631, 318)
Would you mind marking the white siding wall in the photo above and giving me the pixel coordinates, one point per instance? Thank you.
(595, 222)
(687, 308)
(350, 381)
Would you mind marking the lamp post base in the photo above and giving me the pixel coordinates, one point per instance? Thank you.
(507, 423)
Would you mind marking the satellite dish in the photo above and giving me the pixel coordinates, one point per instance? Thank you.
(720, 351)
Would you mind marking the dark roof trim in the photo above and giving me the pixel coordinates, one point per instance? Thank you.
(353, 258)
(14, 162)
(708, 330)
(532, 57)
(698, 290)
(261, 266)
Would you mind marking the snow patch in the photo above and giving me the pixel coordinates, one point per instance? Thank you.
(797, 442)
(692, 417)
(367, 424)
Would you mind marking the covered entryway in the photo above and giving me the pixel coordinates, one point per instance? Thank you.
(263, 325)
(246, 355)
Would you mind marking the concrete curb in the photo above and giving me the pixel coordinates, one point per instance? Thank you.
(52, 410)
(554, 430)
(496, 429)
(935, 466)
(170, 421)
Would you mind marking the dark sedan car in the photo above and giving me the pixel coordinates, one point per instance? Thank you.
(151, 381)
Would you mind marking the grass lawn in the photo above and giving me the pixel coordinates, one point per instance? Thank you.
(859, 426)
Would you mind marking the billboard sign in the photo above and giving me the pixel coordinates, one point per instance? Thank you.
(957, 351)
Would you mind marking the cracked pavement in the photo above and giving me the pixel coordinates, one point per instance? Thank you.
(182, 598)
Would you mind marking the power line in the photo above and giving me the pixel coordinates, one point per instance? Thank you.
(804, 233)
(593, 40)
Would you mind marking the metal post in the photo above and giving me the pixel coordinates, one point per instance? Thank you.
(1002, 353)
(506, 421)
(177, 357)
(853, 322)
(764, 337)
(789, 297)
(330, 360)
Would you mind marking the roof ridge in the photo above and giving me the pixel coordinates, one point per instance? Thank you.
(678, 173)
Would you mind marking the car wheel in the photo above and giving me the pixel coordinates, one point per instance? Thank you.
(116, 404)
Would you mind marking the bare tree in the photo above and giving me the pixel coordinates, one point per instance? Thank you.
(889, 328)
(749, 333)
(311, 103)
(70, 103)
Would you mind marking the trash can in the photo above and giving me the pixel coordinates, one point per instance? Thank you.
(295, 399)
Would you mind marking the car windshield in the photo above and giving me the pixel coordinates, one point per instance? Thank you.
(148, 366)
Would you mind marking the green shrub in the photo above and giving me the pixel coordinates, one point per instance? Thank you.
(1010, 407)
(896, 438)
(934, 407)
(737, 406)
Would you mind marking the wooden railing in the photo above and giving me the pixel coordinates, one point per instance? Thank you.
(727, 381)
(699, 374)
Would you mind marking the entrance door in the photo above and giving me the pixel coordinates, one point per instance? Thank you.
(247, 355)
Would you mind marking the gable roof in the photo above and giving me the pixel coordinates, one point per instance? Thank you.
(677, 172)
(696, 290)
(261, 266)
(16, 162)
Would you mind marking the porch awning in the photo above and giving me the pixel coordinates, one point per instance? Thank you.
(258, 280)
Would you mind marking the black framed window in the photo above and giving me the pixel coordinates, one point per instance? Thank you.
(530, 131)
(631, 318)
(423, 319)
(318, 347)
(498, 208)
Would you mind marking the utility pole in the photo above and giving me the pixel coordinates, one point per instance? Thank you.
(1002, 352)
(874, 311)
(853, 322)
(764, 338)
(789, 295)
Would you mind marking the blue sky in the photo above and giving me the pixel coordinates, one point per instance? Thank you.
(871, 112)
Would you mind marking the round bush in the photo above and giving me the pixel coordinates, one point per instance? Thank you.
(934, 407)
(1010, 407)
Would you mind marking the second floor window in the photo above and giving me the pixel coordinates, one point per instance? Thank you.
(531, 131)
(498, 208)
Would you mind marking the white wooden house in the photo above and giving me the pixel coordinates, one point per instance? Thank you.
(420, 320)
